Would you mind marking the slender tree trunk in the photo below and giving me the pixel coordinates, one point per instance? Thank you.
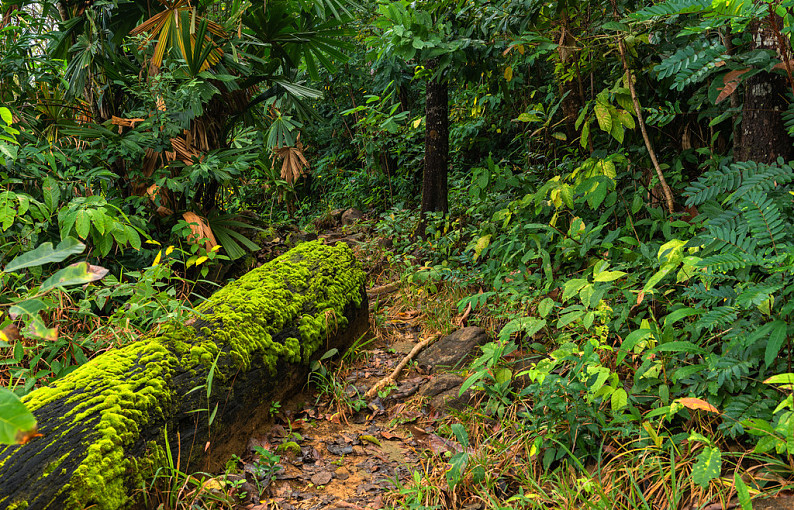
(764, 137)
(434, 186)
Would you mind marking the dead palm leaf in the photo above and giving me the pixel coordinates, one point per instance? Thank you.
(200, 229)
(294, 164)
(175, 27)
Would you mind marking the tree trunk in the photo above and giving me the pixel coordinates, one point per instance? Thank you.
(104, 425)
(764, 137)
(434, 185)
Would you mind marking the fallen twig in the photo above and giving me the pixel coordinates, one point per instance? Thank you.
(392, 378)
(383, 289)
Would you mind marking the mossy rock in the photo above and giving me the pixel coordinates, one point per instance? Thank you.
(105, 423)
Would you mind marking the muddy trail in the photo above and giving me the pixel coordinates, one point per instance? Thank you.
(334, 447)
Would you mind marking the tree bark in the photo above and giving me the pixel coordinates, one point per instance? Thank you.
(434, 185)
(104, 426)
(764, 137)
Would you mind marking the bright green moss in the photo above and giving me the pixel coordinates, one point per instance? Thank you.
(52, 466)
(129, 387)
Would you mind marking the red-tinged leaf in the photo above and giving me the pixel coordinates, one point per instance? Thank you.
(782, 65)
(731, 80)
(385, 434)
(698, 404)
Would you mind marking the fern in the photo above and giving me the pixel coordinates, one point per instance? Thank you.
(719, 317)
(711, 296)
(724, 262)
(672, 8)
(764, 220)
(713, 184)
(743, 177)
(690, 65)
(754, 295)
(731, 241)
(761, 177)
(743, 407)
(788, 117)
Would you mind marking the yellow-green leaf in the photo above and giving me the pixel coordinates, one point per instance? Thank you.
(608, 276)
(603, 116)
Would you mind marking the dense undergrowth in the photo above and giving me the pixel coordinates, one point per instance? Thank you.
(641, 354)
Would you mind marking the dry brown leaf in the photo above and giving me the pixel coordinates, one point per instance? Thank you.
(730, 82)
(698, 404)
(782, 65)
(294, 164)
(200, 229)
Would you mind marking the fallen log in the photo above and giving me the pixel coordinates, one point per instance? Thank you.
(104, 425)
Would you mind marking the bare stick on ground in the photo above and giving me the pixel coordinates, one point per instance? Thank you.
(392, 378)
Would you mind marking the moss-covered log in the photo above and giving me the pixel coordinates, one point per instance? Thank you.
(104, 424)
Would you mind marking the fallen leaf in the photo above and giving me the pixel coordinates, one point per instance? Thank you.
(698, 404)
(322, 478)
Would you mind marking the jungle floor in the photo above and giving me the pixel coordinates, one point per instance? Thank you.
(335, 448)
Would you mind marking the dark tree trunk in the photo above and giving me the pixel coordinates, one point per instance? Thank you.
(104, 425)
(434, 185)
(763, 135)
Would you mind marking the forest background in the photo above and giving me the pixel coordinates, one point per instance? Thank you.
(605, 184)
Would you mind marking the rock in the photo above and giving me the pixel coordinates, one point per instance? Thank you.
(777, 503)
(450, 400)
(452, 350)
(322, 478)
(443, 393)
(441, 383)
(352, 216)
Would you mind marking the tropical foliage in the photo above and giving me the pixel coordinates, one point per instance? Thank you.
(619, 207)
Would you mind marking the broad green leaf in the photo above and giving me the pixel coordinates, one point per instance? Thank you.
(15, 419)
(27, 307)
(545, 307)
(568, 318)
(677, 315)
(75, 274)
(608, 276)
(52, 193)
(603, 116)
(45, 254)
(708, 466)
(98, 219)
(482, 244)
(37, 329)
(777, 337)
(631, 340)
(572, 287)
(5, 114)
(7, 215)
(82, 223)
(787, 380)
(460, 434)
(626, 119)
(619, 399)
(742, 492)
